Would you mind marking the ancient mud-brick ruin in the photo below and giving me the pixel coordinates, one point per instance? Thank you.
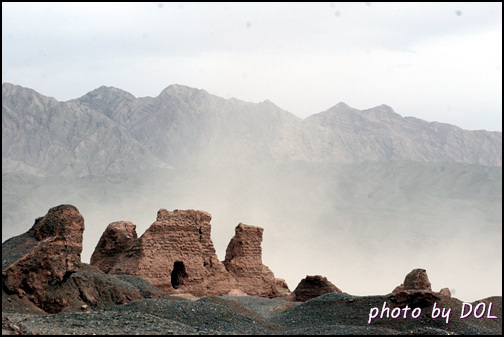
(176, 254)
(117, 238)
(416, 290)
(244, 262)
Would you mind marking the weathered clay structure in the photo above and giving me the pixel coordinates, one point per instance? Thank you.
(244, 262)
(176, 254)
(417, 279)
(311, 287)
(416, 290)
(117, 238)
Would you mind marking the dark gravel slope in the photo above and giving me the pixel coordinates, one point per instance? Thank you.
(339, 309)
(340, 314)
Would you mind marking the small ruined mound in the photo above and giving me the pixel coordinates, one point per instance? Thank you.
(244, 262)
(42, 270)
(45, 255)
(117, 238)
(175, 254)
(416, 290)
(417, 279)
(311, 287)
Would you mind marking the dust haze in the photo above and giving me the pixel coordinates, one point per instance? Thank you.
(364, 226)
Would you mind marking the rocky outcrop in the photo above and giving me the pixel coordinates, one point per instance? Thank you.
(244, 262)
(311, 287)
(417, 279)
(86, 289)
(416, 290)
(117, 239)
(42, 270)
(445, 292)
(45, 255)
(175, 254)
(92, 289)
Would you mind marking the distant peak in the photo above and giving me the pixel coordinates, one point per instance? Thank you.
(385, 107)
(9, 89)
(106, 90)
(177, 89)
(106, 93)
(342, 105)
(381, 109)
(10, 86)
(268, 102)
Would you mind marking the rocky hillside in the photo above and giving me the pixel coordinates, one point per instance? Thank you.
(110, 131)
(382, 134)
(45, 137)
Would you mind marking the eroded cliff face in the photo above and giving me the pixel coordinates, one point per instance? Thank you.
(176, 254)
(45, 255)
(244, 262)
(42, 270)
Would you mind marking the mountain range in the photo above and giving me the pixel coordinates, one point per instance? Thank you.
(108, 131)
(344, 193)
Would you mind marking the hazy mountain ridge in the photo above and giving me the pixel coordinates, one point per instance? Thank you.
(64, 138)
(184, 126)
(382, 134)
(197, 125)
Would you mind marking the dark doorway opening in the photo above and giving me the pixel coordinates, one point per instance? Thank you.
(178, 275)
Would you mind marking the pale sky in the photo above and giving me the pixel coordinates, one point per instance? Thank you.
(435, 61)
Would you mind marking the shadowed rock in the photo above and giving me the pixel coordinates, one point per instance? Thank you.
(117, 238)
(311, 287)
(45, 255)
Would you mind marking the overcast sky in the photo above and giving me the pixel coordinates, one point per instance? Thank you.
(435, 61)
